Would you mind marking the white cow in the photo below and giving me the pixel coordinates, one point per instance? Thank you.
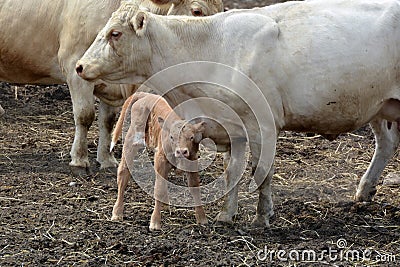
(41, 40)
(327, 66)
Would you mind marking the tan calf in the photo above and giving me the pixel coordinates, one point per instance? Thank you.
(174, 138)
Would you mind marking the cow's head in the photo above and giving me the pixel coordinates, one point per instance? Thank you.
(181, 137)
(122, 49)
(192, 7)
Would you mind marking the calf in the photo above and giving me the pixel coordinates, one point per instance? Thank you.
(167, 132)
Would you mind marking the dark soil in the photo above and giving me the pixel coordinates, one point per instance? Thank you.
(49, 217)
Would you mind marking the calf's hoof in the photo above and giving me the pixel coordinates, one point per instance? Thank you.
(260, 221)
(202, 221)
(79, 171)
(224, 217)
(117, 218)
(155, 226)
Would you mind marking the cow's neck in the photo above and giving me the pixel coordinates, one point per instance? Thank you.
(187, 41)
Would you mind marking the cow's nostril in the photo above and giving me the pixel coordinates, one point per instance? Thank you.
(79, 69)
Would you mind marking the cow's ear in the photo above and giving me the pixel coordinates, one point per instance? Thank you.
(139, 22)
(163, 2)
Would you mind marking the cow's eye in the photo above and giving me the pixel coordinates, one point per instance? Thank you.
(115, 35)
(197, 12)
(171, 137)
(191, 138)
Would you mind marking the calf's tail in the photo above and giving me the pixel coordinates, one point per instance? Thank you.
(126, 107)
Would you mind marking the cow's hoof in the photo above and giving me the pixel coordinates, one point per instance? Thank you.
(224, 217)
(111, 170)
(260, 222)
(155, 226)
(117, 218)
(79, 171)
(107, 164)
(365, 196)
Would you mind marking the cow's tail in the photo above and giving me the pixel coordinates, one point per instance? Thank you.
(119, 125)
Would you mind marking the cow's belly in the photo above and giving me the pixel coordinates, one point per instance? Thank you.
(29, 41)
(333, 116)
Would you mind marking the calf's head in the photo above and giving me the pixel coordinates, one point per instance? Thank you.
(122, 49)
(181, 137)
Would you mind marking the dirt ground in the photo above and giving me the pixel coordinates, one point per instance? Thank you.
(48, 217)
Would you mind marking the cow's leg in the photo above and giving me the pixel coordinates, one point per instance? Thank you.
(230, 205)
(123, 177)
(263, 172)
(265, 205)
(162, 168)
(193, 180)
(107, 115)
(386, 142)
(235, 161)
(84, 114)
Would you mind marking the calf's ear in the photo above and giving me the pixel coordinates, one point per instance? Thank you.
(161, 122)
(139, 22)
(200, 128)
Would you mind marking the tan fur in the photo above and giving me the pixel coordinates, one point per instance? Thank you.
(146, 110)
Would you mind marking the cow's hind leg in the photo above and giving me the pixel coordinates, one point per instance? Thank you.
(386, 142)
(123, 176)
(107, 115)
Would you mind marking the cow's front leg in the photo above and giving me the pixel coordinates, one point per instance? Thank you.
(234, 162)
(262, 163)
(265, 206)
(386, 143)
(193, 180)
(107, 116)
(162, 168)
(84, 114)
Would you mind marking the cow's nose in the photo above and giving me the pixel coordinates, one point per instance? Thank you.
(79, 69)
(182, 152)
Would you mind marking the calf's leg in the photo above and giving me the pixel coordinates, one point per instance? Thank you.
(193, 180)
(162, 168)
(386, 142)
(123, 177)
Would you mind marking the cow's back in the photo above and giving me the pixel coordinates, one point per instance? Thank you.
(37, 35)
